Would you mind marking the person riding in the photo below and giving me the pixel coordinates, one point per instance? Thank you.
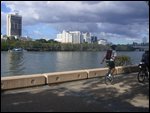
(110, 57)
(145, 58)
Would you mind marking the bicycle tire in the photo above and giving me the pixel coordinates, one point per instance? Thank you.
(141, 76)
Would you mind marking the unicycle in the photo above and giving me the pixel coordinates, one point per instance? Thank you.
(109, 78)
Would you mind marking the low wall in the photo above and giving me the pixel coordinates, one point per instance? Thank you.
(58, 77)
(127, 69)
(65, 76)
(22, 81)
(96, 72)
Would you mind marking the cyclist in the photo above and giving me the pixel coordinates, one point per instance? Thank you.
(110, 57)
(145, 58)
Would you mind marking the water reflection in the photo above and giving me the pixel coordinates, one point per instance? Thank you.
(16, 63)
(46, 62)
(77, 60)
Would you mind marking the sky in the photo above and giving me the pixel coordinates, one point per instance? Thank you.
(120, 22)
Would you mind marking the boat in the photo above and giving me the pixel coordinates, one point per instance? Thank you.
(16, 50)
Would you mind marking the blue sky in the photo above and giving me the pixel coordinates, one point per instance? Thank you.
(4, 8)
(120, 22)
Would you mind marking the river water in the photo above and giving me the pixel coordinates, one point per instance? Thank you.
(44, 62)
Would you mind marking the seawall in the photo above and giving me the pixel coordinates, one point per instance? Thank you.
(24, 81)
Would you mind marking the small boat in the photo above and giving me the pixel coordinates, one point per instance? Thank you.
(16, 50)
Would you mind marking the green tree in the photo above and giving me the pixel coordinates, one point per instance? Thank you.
(123, 60)
(41, 40)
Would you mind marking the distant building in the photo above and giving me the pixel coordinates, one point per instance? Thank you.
(74, 37)
(14, 25)
(25, 38)
(86, 37)
(102, 41)
(3, 37)
(59, 38)
(66, 37)
(93, 39)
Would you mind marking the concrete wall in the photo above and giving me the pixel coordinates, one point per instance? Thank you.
(58, 77)
(22, 81)
(98, 72)
(65, 76)
(127, 69)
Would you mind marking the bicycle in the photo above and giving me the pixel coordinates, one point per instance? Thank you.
(143, 72)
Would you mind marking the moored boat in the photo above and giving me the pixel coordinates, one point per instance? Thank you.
(16, 50)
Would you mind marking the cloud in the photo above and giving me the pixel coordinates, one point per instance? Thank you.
(3, 18)
(82, 12)
(125, 18)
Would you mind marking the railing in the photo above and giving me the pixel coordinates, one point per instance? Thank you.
(24, 81)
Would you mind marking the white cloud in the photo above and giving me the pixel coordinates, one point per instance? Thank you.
(114, 18)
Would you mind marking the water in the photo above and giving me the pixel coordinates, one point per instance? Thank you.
(44, 62)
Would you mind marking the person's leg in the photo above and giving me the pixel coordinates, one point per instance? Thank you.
(113, 70)
(112, 67)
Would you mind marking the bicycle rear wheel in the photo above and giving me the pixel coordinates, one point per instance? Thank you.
(141, 76)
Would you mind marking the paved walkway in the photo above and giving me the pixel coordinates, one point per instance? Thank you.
(91, 95)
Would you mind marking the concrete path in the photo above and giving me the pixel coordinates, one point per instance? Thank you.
(92, 95)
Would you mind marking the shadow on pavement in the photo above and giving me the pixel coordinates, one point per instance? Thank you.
(91, 95)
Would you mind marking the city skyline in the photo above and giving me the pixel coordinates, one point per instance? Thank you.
(120, 22)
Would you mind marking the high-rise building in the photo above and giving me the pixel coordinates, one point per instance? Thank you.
(66, 37)
(74, 37)
(93, 39)
(87, 37)
(14, 25)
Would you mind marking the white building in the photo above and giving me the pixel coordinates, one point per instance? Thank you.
(59, 37)
(3, 37)
(25, 38)
(102, 41)
(86, 37)
(66, 37)
(74, 37)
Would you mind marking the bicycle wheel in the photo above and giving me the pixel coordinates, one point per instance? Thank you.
(141, 76)
(108, 79)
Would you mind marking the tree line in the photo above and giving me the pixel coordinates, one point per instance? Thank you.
(51, 45)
